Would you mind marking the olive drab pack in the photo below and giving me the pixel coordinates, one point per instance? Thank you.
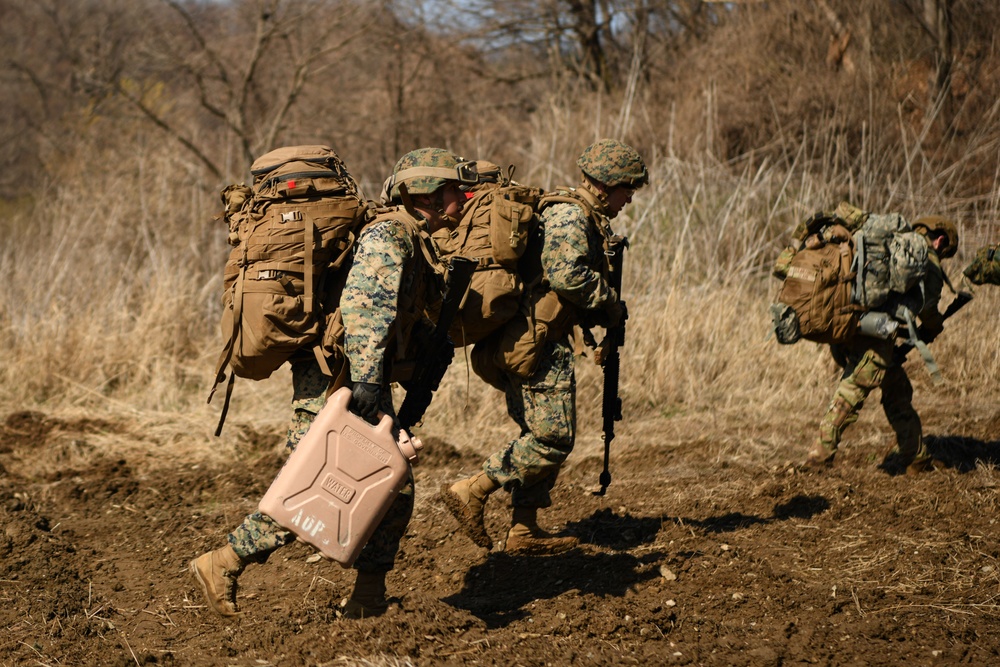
(852, 272)
(890, 258)
(292, 232)
(984, 269)
(494, 229)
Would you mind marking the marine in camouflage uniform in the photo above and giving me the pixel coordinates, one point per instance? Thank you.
(574, 230)
(869, 364)
(395, 279)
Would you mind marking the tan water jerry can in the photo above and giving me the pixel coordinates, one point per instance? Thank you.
(341, 479)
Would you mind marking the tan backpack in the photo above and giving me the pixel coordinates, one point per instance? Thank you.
(494, 230)
(814, 301)
(292, 233)
(542, 315)
(851, 272)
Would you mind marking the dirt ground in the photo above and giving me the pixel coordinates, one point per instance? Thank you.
(710, 548)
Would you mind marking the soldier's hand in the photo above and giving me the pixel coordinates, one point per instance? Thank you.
(601, 352)
(365, 399)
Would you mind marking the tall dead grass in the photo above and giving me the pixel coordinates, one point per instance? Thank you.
(113, 278)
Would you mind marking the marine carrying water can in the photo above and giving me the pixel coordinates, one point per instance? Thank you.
(338, 484)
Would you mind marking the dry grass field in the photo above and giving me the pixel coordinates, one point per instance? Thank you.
(712, 546)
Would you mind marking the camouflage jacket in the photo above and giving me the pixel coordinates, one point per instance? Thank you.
(572, 254)
(394, 281)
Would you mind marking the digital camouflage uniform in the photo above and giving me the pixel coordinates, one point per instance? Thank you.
(567, 251)
(394, 281)
(389, 288)
(869, 364)
(259, 535)
(383, 269)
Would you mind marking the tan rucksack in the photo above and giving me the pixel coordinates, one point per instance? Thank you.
(814, 301)
(851, 272)
(494, 230)
(542, 315)
(292, 233)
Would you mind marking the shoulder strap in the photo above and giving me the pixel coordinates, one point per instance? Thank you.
(419, 231)
(592, 207)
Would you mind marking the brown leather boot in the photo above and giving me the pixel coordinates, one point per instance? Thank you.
(466, 500)
(216, 573)
(368, 598)
(525, 538)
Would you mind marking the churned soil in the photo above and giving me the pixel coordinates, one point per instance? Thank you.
(711, 547)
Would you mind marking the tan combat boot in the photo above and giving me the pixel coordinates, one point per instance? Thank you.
(368, 598)
(216, 573)
(466, 500)
(922, 461)
(525, 538)
(820, 457)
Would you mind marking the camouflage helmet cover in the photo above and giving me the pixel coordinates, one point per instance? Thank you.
(943, 225)
(613, 163)
(424, 170)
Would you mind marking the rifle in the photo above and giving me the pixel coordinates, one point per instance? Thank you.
(961, 298)
(427, 378)
(611, 405)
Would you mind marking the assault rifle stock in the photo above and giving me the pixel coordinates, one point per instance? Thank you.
(961, 299)
(611, 405)
(420, 390)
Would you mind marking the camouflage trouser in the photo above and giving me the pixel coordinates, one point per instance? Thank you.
(869, 365)
(259, 535)
(544, 406)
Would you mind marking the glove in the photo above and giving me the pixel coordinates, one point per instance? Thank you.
(365, 399)
(616, 313)
(601, 352)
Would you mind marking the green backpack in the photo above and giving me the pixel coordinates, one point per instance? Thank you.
(890, 259)
(292, 234)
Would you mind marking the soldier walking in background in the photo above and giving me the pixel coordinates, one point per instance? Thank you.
(869, 363)
(531, 358)
(395, 280)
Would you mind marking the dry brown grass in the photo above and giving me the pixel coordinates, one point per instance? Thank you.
(113, 307)
(113, 269)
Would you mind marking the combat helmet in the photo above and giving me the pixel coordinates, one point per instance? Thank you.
(613, 163)
(943, 225)
(426, 169)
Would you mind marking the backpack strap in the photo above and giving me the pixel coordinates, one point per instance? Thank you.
(411, 219)
(592, 206)
(227, 351)
(925, 352)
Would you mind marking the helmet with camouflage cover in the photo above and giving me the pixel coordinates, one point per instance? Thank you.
(425, 170)
(613, 163)
(942, 225)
